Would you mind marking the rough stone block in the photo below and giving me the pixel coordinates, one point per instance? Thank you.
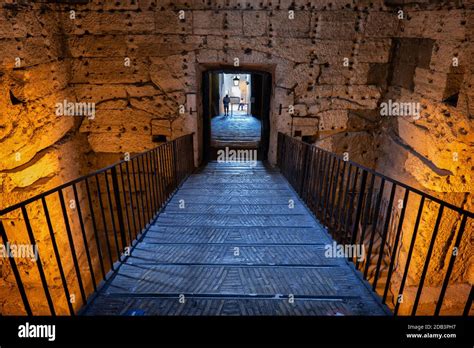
(297, 50)
(298, 77)
(255, 23)
(332, 121)
(445, 25)
(97, 46)
(92, 70)
(339, 74)
(413, 24)
(169, 73)
(281, 26)
(109, 22)
(355, 97)
(32, 140)
(382, 24)
(443, 54)
(436, 85)
(378, 74)
(45, 79)
(338, 25)
(332, 51)
(161, 46)
(99, 93)
(172, 22)
(213, 22)
(306, 125)
(19, 24)
(374, 51)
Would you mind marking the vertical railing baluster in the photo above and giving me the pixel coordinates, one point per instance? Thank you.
(410, 252)
(148, 189)
(104, 221)
(125, 205)
(44, 282)
(358, 211)
(144, 184)
(351, 206)
(335, 180)
(319, 187)
(94, 227)
(395, 245)
(57, 256)
(84, 237)
(16, 273)
(158, 181)
(304, 172)
(388, 216)
(368, 205)
(139, 191)
(112, 215)
(337, 213)
(427, 260)
(151, 170)
(138, 198)
(161, 179)
(374, 226)
(314, 162)
(452, 259)
(175, 160)
(151, 183)
(316, 165)
(170, 167)
(134, 212)
(327, 194)
(118, 206)
(341, 233)
(71, 246)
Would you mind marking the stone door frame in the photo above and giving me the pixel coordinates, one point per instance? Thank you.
(201, 69)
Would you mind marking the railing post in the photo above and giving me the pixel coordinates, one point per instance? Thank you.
(175, 171)
(118, 204)
(451, 265)
(16, 273)
(427, 260)
(191, 156)
(279, 145)
(359, 206)
(304, 169)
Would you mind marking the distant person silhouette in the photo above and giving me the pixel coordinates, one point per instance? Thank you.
(241, 104)
(226, 102)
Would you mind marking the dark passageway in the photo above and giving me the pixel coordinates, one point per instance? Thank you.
(246, 125)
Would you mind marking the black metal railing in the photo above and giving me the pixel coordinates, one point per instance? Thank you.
(83, 229)
(361, 206)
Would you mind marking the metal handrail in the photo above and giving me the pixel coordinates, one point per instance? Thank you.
(331, 186)
(110, 210)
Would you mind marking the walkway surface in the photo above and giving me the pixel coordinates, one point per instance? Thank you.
(239, 130)
(236, 248)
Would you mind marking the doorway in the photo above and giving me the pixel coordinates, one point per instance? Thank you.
(236, 112)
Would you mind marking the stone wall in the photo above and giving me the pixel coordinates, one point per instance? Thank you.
(305, 50)
(38, 150)
(431, 65)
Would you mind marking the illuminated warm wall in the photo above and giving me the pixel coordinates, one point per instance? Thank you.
(433, 67)
(38, 149)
